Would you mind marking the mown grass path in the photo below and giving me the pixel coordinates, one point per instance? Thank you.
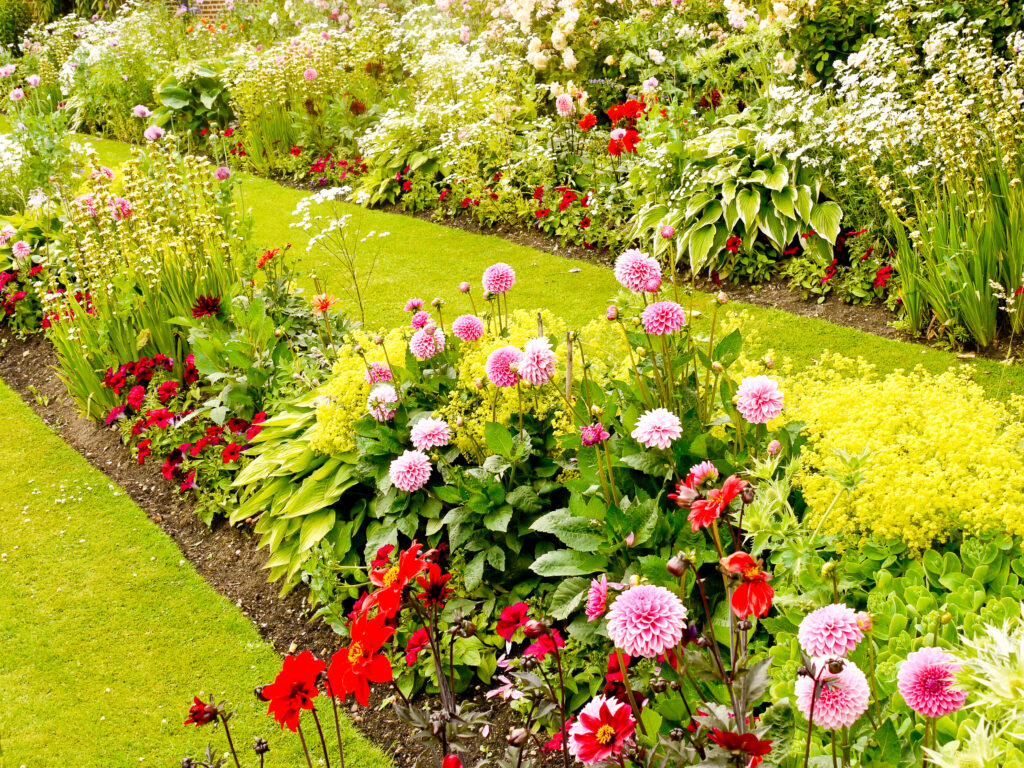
(106, 631)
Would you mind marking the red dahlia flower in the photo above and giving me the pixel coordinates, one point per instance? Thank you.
(359, 663)
(392, 581)
(294, 689)
(741, 744)
(602, 729)
(511, 619)
(417, 643)
(703, 512)
(588, 122)
(206, 306)
(435, 587)
(753, 596)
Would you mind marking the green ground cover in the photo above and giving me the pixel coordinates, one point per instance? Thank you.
(106, 632)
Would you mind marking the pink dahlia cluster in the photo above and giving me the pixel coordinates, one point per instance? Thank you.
(926, 681)
(833, 630)
(502, 366)
(430, 433)
(381, 402)
(427, 342)
(499, 278)
(410, 471)
(842, 696)
(420, 319)
(646, 621)
(537, 365)
(758, 399)
(662, 318)
(468, 327)
(638, 272)
(657, 429)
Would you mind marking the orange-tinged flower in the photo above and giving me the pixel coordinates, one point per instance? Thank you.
(393, 579)
(323, 302)
(703, 512)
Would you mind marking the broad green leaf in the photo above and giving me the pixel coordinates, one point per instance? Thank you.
(825, 218)
(749, 203)
(315, 527)
(566, 562)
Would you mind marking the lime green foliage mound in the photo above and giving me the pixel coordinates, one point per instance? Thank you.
(15, 18)
(941, 456)
(106, 632)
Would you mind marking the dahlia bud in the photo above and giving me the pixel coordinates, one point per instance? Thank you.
(278, 333)
(612, 313)
(828, 569)
(517, 737)
(596, 410)
(676, 566)
(436, 302)
(774, 447)
(668, 231)
(260, 746)
(675, 685)
(747, 494)
(464, 287)
(676, 734)
(641, 352)
(864, 621)
(701, 642)
(769, 361)
(259, 694)
(479, 383)
(717, 367)
(835, 666)
(535, 628)
(358, 349)
(722, 298)
(659, 685)
(744, 625)
(378, 339)
(467, 628)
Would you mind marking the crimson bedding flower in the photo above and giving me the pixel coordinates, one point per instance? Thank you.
(294, 689)
(360, 663)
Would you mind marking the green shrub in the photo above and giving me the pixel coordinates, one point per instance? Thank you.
(15, 18)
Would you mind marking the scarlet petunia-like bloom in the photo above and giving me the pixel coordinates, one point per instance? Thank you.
(501, 366)
(926, 682)
(842, 697)
(410, 471)
(511, 619)
(753, 597)
(393, 579)
(587, 122)
(427, 342)
(231, 453)
(597, 598)
(604, 726)
(417, 643)
(635, 270)
(741, 744)
(544, 645)
(662, 318)
(136, 395)
(468, 327)
(360, 663)
(830, 631)
(206, 306)
(646, 620)
(499, 278)
(294, 688)
(703, 512)
(657, 429)
(430, 433)
(758, 399)
(167, 391)
(537, 364)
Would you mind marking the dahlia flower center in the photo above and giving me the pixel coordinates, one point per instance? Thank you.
(391, 577)
(355, 652)
(604, 736)
(751, 573)
(934, 683)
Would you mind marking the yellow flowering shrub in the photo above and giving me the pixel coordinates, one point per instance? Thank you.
(942, 457)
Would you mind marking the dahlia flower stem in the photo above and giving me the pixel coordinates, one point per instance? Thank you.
(472, 301)
(519, 395)
(629, 690)
(231, 744)
(636, 371)
(611, 475)
(323, 741)
(810, 715)
(561, 704)
(305, 749)
(337, 725)
(835, 761)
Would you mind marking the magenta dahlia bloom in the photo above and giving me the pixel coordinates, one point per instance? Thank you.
(430, 433)
(842, 698)
(657, 428)
(412, 305)
(592, 434)
(378, 372)
(703, 472)
(381, 402)
(420, 319)
(499, 278)
(635, 270)
(502, 366)
(468, 327)
(597, 598)
(663, 317)
(926, 682)
(758, 399)
(646, 621)
(830, 631)
(410, 471)
(426, 343)
(537, 365)
(612, 313)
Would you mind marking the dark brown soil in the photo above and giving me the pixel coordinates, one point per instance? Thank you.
(226, 557)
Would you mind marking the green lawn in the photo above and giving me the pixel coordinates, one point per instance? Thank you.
(420, 258)
(106, 631)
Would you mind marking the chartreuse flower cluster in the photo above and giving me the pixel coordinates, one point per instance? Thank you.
(941, 457)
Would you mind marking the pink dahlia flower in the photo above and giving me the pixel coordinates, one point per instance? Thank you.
(758, 399)
(657, 429)
(597, 598)
(464, 287)
(537, 365)
(410, 471)
(634, 270)
(430, 433)
(141, 112)
(499, 278)
(705, 472)
(592, 434)
(412, 305)
(646, 621)
(378, 373)
(309, 75)
(663, 317)
(21, 249)
(426, 343)
(842, 698)
(830, 631)
(420, 319)
(926, 682)
(468, 327)
(604, 727)
(502, 366)
(564, 105)
(381, 402)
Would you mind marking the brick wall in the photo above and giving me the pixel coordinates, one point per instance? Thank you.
(208, 9)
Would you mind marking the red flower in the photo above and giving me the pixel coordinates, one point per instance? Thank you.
(435, 586)
(626, 144)
(753, 596)
(418, 642)
(745, 744)
(135, 397)
(538, 193)
(541, 647)
(171, 463)
(451, 761)
(705, 511)
(394, 580)
(882, 277)
(295, 151)
(383, 556)
(359, 663)
(144, 450)
(201, 713)
(255, 426)
(511, 619)
(231, 452)
(294, 688)
(628, 111)
(588, 122)
(732, 245)
(555, 743)
(167, 391)
(238, 425)
(206, 306)
(542, 213)
(604, 726)
(188, 483)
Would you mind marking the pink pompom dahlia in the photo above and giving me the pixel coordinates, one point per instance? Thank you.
(502, 365)
(592, 434)
(926, 682)
(381, 402)
(604, 726)
(842, 697)
(499, 278)
(410, 471)
(426, 343)
(468, 327)
(635, 270)
(430, 433)
(663, 317)
(646, 620)
(420, 319)
(758, 399)
(413, 305)
(378, 372)
(597, 598)
(21, 249)
(537, 365)
(830, 631)
(657, 429)
(564, 105)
